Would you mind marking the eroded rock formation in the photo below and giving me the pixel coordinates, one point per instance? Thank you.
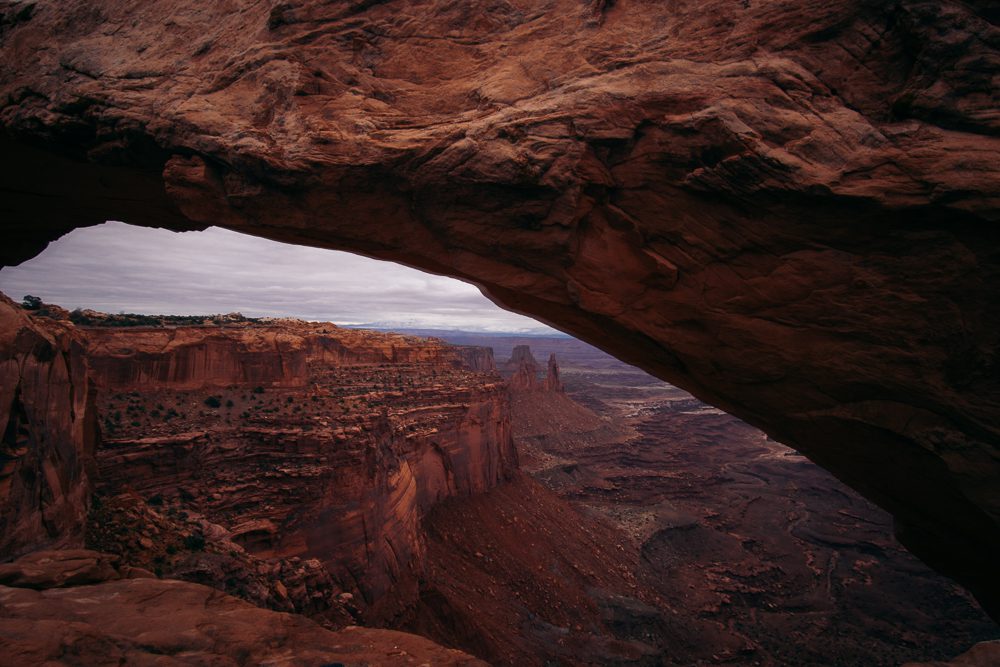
(522, 372)
(292, 440)
(49, 433)
(552, 381)
(787, 208)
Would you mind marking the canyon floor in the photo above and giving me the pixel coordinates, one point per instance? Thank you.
(747, 553)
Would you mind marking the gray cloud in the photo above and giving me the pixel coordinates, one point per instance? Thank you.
(117, 267)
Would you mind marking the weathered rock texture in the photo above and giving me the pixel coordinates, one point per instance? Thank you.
(49, 433)
(119, 619)
(291, 442)
(274, 353)
(788, 208)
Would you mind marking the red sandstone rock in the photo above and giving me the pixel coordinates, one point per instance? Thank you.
(272, 353)
(552, 381)
(522, 370)
(57, 569)
(49, 433)
(786, 207)
(147, 621)
(292, 440)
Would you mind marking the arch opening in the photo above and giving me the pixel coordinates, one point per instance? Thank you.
(681, 463)
(832, 338)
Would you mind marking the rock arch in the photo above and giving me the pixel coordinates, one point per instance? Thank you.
(787, 208)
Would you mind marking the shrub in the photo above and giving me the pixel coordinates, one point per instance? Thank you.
(194, 542)
(213, 402)
(229, 403)
(258, 390)
(77, 317)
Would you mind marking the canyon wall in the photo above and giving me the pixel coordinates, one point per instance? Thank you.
(273, 353)
(302, 441)
(48, 418)
(787, 208)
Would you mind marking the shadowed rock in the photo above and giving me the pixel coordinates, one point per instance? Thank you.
(787, 208)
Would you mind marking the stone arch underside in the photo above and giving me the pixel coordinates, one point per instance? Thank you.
(789, 208)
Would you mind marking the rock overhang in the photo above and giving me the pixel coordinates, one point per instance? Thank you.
(787, 208)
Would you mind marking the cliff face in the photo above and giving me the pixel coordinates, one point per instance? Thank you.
(49, 433)
(786, 207)
(276, 353)
(299, 441)
(522, 371)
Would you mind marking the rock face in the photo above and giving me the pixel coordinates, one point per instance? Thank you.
(787, 208)
(59, 569)
(138, 621)
(291, 442)
(552, 381)
(274, 353)
(522, 370)
(49, 433)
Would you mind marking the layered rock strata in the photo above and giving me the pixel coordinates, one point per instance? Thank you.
(49, 424)
(290, 440)
(274, 353)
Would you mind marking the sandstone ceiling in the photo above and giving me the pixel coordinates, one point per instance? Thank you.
(787, 207)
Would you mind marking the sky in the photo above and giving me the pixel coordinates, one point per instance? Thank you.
(116, 267)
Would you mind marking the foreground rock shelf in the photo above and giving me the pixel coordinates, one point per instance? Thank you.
(143, 620)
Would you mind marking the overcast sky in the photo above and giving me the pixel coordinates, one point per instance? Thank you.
(120, 268)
